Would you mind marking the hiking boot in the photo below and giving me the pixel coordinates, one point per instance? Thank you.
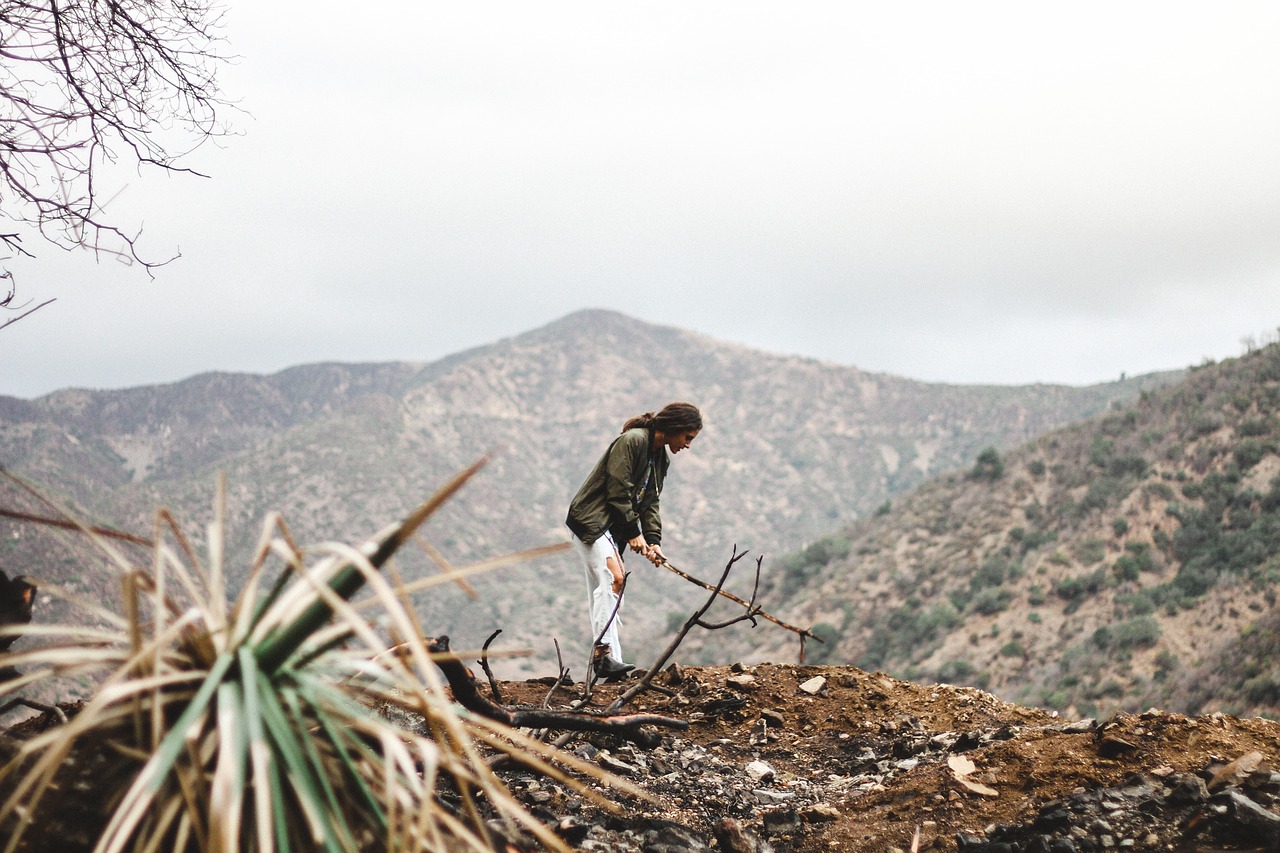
(608, 669)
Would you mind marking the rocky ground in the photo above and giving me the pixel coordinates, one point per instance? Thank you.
(801, 758)
(805, 758)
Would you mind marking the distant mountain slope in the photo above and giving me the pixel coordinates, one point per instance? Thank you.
(1127, 561)
(792, 448)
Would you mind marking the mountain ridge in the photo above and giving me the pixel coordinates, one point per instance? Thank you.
(792, 447)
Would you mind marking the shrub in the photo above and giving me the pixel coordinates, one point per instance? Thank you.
(956, 671)
(1250, 452)
(1091, 551)
(1263, 690)
(988, 466)
(991, 573)
(1137, 632)
(1102, 492)
(1013, 649)
(1131, 465)
(1120, 526)
(991, 601)
(1254, 427)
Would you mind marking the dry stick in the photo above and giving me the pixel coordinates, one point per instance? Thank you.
(696, 619)
(725, 594)
(591, 669)
(71, 525)
(35, 706)
(560, 678)
(484, 664)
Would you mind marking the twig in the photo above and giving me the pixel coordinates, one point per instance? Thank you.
(591, 660)
(71, 525)
(561, 678)
(484, 664)
(725, 594)
(13, 320)
(35, 706)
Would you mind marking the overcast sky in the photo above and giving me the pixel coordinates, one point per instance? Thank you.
(958, 192)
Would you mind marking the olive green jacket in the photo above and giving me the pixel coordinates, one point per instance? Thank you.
(620, 495)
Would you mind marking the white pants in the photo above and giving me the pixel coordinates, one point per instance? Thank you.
(600, 595)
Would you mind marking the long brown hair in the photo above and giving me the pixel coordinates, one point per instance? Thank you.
(674, 417)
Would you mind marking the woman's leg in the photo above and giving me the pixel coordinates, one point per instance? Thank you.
(603, 566)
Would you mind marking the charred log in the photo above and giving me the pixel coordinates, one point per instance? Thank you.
(467, 693)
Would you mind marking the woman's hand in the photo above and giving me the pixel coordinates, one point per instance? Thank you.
(652, 553)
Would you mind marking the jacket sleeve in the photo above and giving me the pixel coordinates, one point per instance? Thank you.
(621, 485)
(651, 521)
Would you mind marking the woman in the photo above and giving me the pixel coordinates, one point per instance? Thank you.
(618, 504)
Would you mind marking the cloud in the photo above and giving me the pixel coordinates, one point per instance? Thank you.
(990, 192)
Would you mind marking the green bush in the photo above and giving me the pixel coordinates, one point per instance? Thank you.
(1013, 649)
(1091, 551)
(990, 601)
(1250, 452)
(1102, 493)
(1254, 427)
(991, 573)
(988, 466)
(1129, 465)
(1263, 690)
(956, 672)
(1138, 632)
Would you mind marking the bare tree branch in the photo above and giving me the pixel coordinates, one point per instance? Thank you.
(696, 619)
(85, 84)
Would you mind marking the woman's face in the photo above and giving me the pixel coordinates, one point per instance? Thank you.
(678, 441)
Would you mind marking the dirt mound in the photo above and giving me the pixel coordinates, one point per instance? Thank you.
(809, 758)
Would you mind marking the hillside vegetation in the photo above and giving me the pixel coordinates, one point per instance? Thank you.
(792, 448)
(1128, 561)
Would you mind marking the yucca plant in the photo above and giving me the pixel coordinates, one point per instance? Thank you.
(250, 725)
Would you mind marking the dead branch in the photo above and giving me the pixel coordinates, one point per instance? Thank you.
(463, 684)
(67, 524)
(562, 676)
(726, 594)
(696, 620)
(13, 320)
(484, 664)
(53, 710)
(87, 85)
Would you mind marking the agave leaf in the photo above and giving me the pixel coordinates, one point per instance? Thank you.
(151, 778)
(345, 745)
(259, 750)
(226, 794)
(292, 744)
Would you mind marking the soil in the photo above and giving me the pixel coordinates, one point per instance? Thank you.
(863, 762)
